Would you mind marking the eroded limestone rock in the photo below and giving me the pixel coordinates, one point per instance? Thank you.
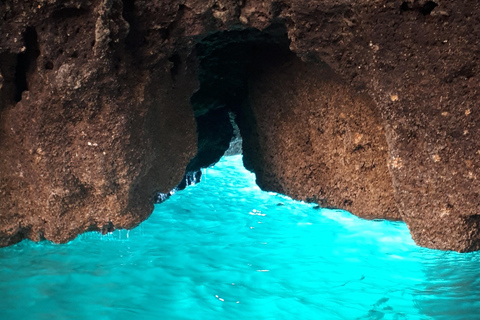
(97, 128)
(418, 60)
(95, 112)
(330, 145)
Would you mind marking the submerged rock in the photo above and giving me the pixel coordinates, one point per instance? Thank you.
(96, 115)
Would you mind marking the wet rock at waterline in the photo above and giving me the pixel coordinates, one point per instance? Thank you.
(96, 109)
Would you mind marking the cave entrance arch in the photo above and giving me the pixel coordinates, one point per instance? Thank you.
(228, 60)
(306, 133)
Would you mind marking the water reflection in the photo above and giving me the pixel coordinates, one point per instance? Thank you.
(451, 288)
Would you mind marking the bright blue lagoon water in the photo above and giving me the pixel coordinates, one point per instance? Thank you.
(223, 249)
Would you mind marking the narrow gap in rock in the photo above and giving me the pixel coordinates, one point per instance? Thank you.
(26, 62)
(8, 63)
(134, 38)
(128, 9)
(227, 60)
(166, 32)
(428, 7)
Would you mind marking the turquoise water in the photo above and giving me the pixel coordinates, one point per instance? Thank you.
(223, 249)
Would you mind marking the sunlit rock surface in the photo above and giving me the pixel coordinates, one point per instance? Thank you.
(96, 109)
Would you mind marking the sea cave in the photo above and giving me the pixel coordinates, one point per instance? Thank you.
(239, 159)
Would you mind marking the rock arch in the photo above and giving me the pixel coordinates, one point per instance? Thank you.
(104, 120)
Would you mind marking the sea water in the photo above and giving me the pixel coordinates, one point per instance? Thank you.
(224, 249)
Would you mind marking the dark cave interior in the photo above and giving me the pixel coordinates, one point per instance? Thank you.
(228, 60)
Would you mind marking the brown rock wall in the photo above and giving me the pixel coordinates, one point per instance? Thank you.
(97, 129)
(419, 62)
(95, 110)
(330, 145)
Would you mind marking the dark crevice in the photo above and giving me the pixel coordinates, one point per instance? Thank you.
(26, 62)
(107, 228)
(424, 9)
(128, 10)
(428, 7)
(67, 13)
(49, 65)
(166, 32)
(404, 7)
(176, 61)
(466, 72)
(134, 38)
(8, 62)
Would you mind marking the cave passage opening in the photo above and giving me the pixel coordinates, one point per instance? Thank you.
(228, 61)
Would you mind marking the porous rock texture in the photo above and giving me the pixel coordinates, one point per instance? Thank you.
(375, 111)
(418, 60)
(102, 123)
(330, 145)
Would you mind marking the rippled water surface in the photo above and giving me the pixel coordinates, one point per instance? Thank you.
(223, 249)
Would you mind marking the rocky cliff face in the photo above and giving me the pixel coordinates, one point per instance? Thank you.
(371, 106)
